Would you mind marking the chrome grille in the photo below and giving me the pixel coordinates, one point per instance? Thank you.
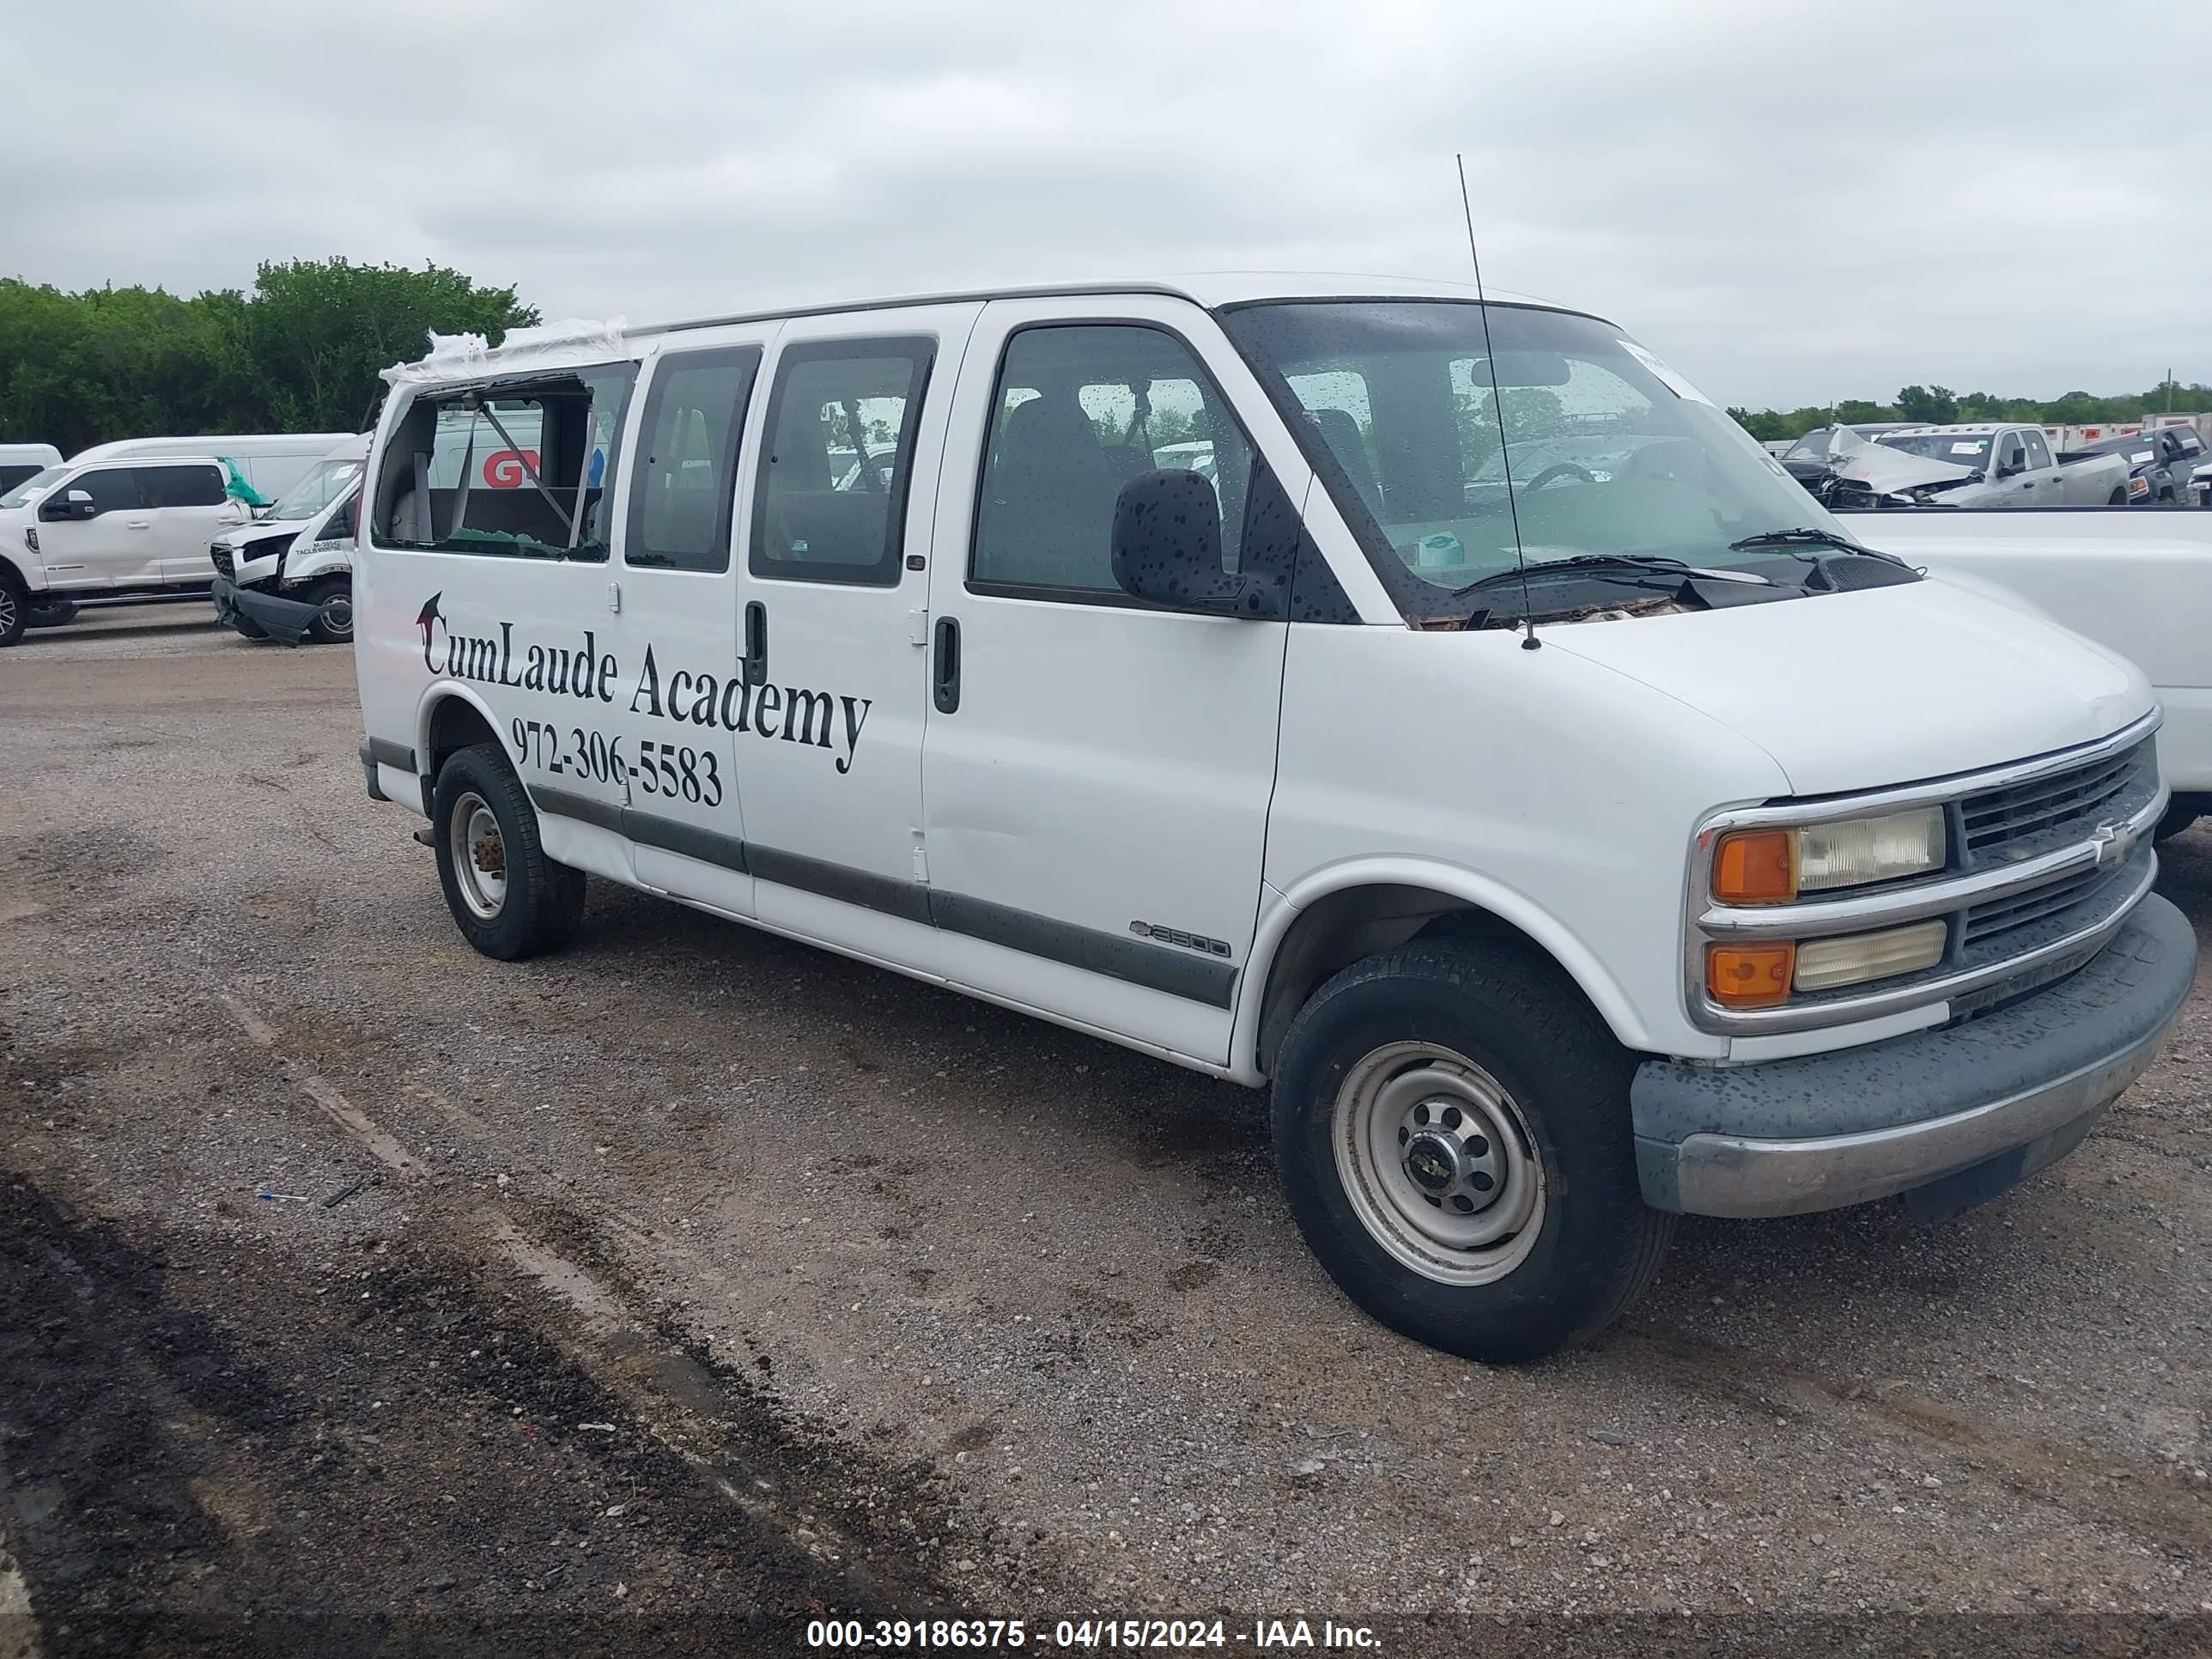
(224, 568)
(1985, 922)
(2003, 825)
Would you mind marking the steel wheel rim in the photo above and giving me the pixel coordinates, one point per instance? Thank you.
(1417, 1128)
(479, 854)
(337, 615)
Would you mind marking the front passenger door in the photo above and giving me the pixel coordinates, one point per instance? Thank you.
(1097, 771)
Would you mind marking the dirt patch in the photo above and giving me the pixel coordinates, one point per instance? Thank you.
(392, 1457)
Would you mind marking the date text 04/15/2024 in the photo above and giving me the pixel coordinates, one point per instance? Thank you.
(1091, 1634)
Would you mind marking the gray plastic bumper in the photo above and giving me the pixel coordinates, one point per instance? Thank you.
(283, 619)
(1975, 1107)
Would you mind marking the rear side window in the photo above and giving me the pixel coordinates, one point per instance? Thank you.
(12, 476)
(681, 499)
(521, 469)
(821, 515)
(180, 486)
(2038, 453)
(1079, 411)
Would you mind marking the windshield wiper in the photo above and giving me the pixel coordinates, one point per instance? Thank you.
(1634, 563)
(1808, 533)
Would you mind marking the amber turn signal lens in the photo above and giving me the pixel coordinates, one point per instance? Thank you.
(1749, 975)
(1755, 866)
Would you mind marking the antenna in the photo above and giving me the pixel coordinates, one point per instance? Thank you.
(1497, 399)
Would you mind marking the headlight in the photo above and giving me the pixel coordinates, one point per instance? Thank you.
(2139, 486)
(1771, 866)
(1763, 976)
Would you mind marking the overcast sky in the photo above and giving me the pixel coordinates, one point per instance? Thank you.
(1791, 201)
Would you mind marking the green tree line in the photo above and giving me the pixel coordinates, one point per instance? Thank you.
(298, 352)
(1938, 405)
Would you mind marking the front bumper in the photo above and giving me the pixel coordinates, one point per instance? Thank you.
(1957, 1113)
(284, 619)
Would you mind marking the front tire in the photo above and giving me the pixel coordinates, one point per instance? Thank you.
(332, 598)
(14, 610)
(1452, 1133)
(2181, 811)
(51, 613)
(507, 897)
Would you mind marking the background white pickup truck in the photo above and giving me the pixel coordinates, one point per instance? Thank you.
(2137, 580)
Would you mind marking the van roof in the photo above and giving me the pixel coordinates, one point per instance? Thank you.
(241, 444)
(576, 343)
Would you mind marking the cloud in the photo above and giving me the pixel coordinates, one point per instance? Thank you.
(1793, 203)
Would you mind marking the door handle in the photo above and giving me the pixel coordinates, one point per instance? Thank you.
(138, 524)
(945, 672)
(755, 661)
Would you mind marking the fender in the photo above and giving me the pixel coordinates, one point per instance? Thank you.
(426, 713)
(1281, 908)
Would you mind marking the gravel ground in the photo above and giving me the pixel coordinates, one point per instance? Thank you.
(893, 1301)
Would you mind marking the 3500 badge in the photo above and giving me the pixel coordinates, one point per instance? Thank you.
(660, 769)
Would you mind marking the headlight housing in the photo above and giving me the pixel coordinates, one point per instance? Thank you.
(1773, 866)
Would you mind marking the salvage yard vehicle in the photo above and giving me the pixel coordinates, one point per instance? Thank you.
(1567, 845)
(111, 531)
(21, 461)
(2160, 460)
(290, 575)
(2137, 582)
(131, 522)
(2005, 465)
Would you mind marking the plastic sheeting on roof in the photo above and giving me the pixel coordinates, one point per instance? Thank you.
(572, 342)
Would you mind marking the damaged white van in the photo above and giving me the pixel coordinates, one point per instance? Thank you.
(1436, 712)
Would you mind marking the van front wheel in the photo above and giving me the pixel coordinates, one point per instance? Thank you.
(507, 897)
(1452, 1128)
(332, 598)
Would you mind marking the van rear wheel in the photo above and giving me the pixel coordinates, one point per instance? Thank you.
(507, 897)
(1451, 1129)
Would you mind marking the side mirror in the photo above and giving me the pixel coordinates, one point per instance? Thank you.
(2016, 460)
(77, 504)
(1167, 547)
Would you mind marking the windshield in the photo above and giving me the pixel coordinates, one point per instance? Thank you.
(1961, 449)
(316, 491)
(1609, 451)
(36, 484)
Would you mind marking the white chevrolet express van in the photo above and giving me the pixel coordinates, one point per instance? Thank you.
(1561, 814)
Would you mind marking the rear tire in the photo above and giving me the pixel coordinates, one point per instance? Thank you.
(1452, 1133)
(508, 897)
(332, 598)
(2117, 498)
(52, 613)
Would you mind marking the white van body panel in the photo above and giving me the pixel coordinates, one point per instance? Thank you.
(2008, 685)
(1112, 770)
(1541, 785)
(272, 462)
(2137, 580)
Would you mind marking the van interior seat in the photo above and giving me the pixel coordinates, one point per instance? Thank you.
(518, 512)
(827, 526)
(1050, 518)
